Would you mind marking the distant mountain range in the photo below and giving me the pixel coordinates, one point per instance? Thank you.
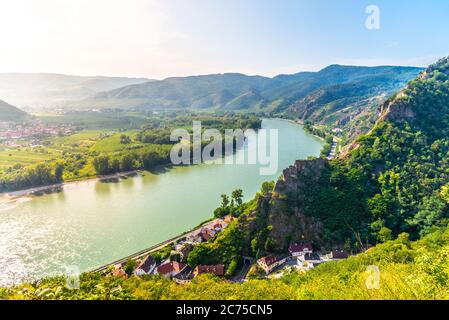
(344, 96)
(9, 113)
(233, 91)
(39, 91)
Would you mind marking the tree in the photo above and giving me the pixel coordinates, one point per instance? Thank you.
(101, 164)
(232, 267)
(124, 139)
(237, 196)
(201, 254)
(224, 201)
(385, 234)
(445, 193)
(129, 267)
(127, 162)
(267, 187)
(175, 256)
(59, 170)
(270, 244)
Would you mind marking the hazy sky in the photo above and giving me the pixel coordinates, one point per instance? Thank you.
(164, 38)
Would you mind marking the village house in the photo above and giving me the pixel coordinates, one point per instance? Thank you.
(309, 261)
(218, 227)
(217, 270)
(170, 269)
(300, 249)
(206, 234)
(337, 130)
(194, 237)
(184, 277)
(119, 272)
(269, 263)
(337, 255)
(146, 267)
(228, 219)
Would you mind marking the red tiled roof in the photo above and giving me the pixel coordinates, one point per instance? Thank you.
(205, 236)
(300, 247)
(228, 218)
(217, 270)
(339, 254)
(269, 260)
(170, 267)
(119, 272)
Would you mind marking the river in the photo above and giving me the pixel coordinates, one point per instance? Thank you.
(92, 223)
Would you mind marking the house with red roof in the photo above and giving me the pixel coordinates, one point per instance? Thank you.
(119, 272)
(170, 269)
(269, 263)
(300, 249)
(207, 234)
(217, 270)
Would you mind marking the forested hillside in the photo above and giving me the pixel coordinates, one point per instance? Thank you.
(9, 113)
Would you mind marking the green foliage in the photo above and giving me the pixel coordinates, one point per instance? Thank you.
(163, 253)
(234, 207)
(124, 139)
(129, 267)
(237, 196)
(212, 252)
(385, 234)
(31, 176)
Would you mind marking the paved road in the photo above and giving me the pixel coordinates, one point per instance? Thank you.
(241, 275)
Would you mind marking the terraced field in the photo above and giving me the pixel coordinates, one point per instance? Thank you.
(24, 156)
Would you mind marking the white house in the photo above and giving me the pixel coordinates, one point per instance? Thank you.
(146, 267)
(194, 238)
(309, 261)
(297, 250)
(269, 263)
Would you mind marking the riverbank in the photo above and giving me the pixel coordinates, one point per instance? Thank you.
(10, 197)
